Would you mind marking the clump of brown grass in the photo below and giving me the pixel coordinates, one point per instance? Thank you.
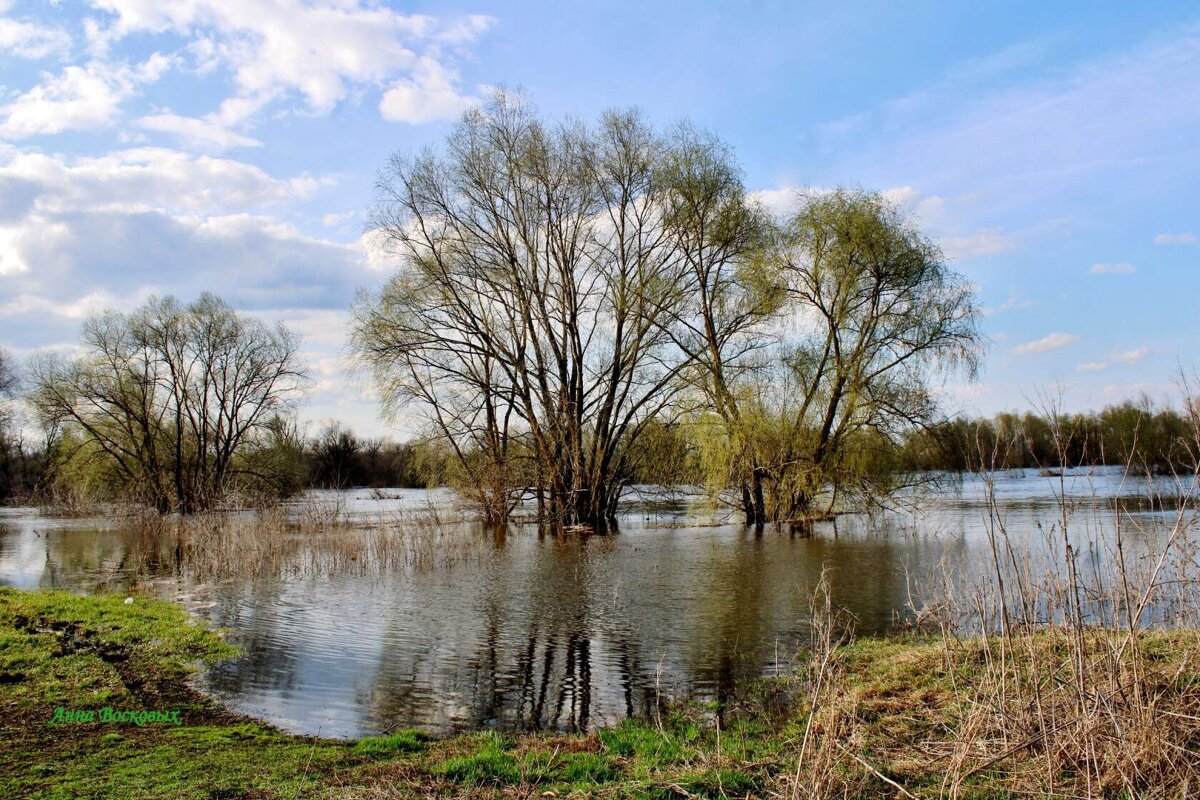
(315, 539)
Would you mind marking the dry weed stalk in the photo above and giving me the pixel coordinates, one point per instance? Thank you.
(1072, 686)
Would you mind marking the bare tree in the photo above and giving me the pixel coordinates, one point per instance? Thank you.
(532, 316)
(8, 388)
(167, 399)
(10, 447)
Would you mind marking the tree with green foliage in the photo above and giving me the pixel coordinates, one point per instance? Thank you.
(722, 330)
(872, 317)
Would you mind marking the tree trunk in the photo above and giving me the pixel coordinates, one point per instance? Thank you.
(753, 502)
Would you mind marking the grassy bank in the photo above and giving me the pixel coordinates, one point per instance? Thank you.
(898, 717)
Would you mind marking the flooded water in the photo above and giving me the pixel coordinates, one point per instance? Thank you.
(524, 630)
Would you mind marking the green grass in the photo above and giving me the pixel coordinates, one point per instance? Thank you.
(59, 649)
(406, 741)
(643, 741)
(588, 768)
(491, 765)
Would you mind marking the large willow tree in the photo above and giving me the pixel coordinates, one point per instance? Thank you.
(168, 404)
(876, 318)
(537, 319)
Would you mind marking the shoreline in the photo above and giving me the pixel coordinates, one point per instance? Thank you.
(883, 724)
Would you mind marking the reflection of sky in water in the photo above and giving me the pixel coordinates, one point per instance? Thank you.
(542, 632)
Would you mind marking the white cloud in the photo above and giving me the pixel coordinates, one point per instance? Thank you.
(1092, 366)
(1175, 238)
(78, 235)
(319, 327)
(320, 50)
(980, 244)
(430, 95)
(1013, 303)
(1112, 269)
(12, 262)
(26, 39)
(75, 309)
(378, 254)
(141, 178)
(124, 253)
(333, 218)
(77, 98)
(1131, 356)
(928, 209)
(779, 201)
(206, 133)
(467, 29)
(1052, 342)
(934, 213)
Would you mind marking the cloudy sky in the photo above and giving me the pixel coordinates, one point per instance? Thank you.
(174, 146)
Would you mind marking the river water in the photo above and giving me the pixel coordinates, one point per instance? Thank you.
(525, 630)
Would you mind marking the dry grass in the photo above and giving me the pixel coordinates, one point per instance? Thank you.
(1065, 665)
(313, 539)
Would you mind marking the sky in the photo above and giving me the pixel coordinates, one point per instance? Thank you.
(178, 146)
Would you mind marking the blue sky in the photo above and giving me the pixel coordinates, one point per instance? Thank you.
(173, 146)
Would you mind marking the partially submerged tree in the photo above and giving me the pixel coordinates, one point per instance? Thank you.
(166, 404)
(878, 317)
(721, 330)
(533, 320)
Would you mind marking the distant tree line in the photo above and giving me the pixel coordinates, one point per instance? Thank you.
(338, 459)
(1139, 435)
(1142, 436)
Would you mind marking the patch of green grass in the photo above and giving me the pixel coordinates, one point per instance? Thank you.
(60, 649)
(186, 766)
(587, 768)
(405, 741)
(633, 738)
(725, 782)
(490, 765)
